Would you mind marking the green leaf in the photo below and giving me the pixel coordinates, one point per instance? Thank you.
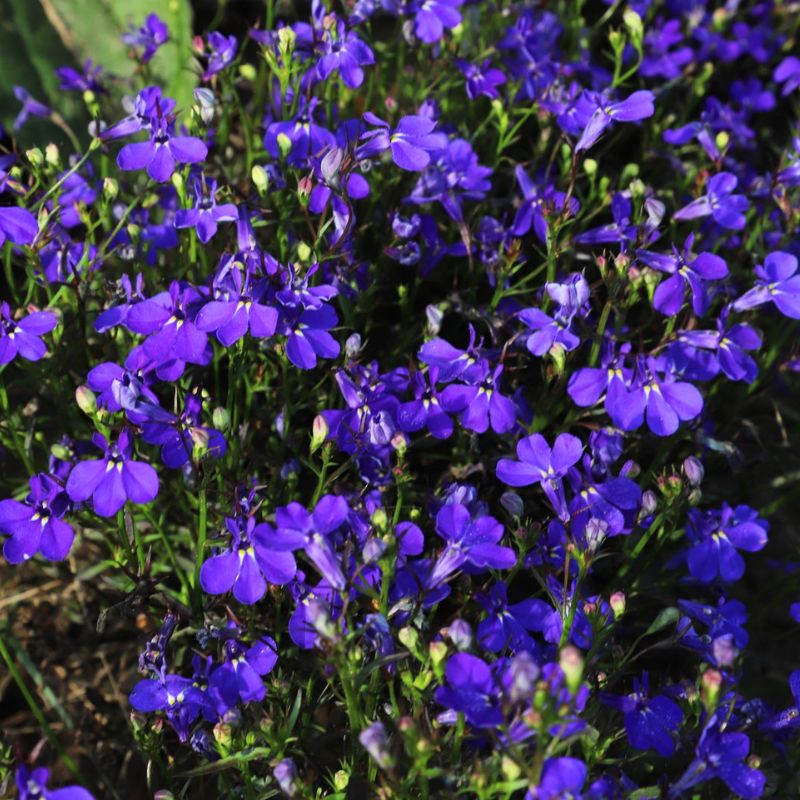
(666, 616)
(92, 29)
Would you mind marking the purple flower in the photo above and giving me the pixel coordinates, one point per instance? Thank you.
(539, 464)
(482, 79)
(721, 754)
(561, 778)
(239, 678)
(453, 363)
(17, 225)
(716, 537)
(344, 51)
(22, 337)
(86, 81)
(375, 741)
(650, 722)
(633, 108)
(725, 635)
(221, 51)
(433, 16)
(730, 345)
(536, 205)
(789, 718)
(507, 626)
(469, 541)
(481, 405)
(182, 438)
(665, 403)
(151, 36)
(36, 525)
(425, 410)
(301, 136)
(206, 213)
(308, 337)
(162, 153)
(296, 529)
(788, 73)
(177, 696)
(114, 479)
(30, 107)
(32, 785)
(685, 271)
(248, 564)
(411, 143)
(726, 208)
(471, 690)
(778, 282)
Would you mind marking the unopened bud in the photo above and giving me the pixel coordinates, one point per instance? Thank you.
(649, 502)
(284, 144)
(304, 187)
(110, 188)
(220, 418)
(319, 432)
(86, 400)
(260, 179)
(693, 470)
(341, 779)
(380, 519)
(248, 72)
(52, 156)
(34, 156)
(571, 662)
(617, 603)
(285, 773)
(512, 503)
(178, 182)
(438, 652)
(460, 634)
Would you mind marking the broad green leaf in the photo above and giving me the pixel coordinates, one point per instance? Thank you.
(92, 29)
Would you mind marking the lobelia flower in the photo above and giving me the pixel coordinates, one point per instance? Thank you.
(86, 81)
(22, 337)
(114, 479)
(296, 529)
(239, 678)
(162, 153)
(308, 337)
(410, 143)
(665, 403)
(650, 722)
(730, 345)
(32, 785)
(508, 626)
(539, 464)
(725, 636)
(587, 385)
(425, 410)
(778, 282)
(432, 17)
(537, 204)
(787, 720)
(375, 741)
(481, 405)
(17, 225)
(248, 564)
(717, 535)
(31, 107)
(685, 271)
(453, 363)
(719, 202)
(221, 51)
(173, 339)
(206, 214)
(482, 79)
(561, 778)
(788, 73)
(455, 175)
(473, 542)
(183, 437)
(316, 617)
(300, 138)
(151, 36)
(342, 50)
(612, 501)
(36, 525)
(237, 306)
(721, 754)
(571, 296)
(472, 690)
(633, 108)
(175, 695)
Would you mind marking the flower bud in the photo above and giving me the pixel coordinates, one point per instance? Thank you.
(304, 187)
(571, 662)
(110, 189)
(34, 155)
(693, 470)
(163, 794)
(319, 432)
(590, 166)
(374, 550)
(260, 179)
(512, 503)
(205, 104)
(460, 634)
(341, 779)
(52, 156)
(524, 673)
(286, 40)
(284, 144)
(220, 418)
(649, 502)
(285, 773)
(409, 638)
(711, 682)
(178, 182)
(352, 346)
(617, 603)
(223, 733)
(433, 319)
(438, 652)
(248, 72)
(86, 400)
(722, 140)
(510, 768)
(303, 252)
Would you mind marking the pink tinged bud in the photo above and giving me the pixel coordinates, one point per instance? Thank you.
(86, 400)
(319, 432)
(617, 603)
(571, 662)
(693, 470)
(460, 634)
